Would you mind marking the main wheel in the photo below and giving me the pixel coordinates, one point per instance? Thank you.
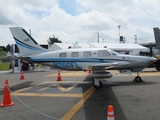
(98, 86)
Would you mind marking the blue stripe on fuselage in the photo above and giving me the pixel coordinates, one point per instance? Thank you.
(26, 46)
(69, 60)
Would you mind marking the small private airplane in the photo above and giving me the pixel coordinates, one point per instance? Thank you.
(99, 60)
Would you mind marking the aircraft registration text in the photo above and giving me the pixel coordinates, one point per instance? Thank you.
(66, 65)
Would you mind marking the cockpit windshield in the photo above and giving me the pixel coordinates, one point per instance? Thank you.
(112, 52)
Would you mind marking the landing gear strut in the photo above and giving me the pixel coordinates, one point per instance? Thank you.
(138, 78)
(97, 83)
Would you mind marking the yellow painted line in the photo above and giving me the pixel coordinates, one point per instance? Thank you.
(67, 81)
(150, 74)
(23, 89)
(47, 95)
(75, 108)
(66, 89)
(44, 88)
(42, 83)
(69, 74)
(28, 87)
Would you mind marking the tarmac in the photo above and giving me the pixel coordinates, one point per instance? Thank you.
(40, 96)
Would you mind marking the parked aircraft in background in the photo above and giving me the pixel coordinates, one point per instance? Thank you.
(155, 44)
(127, 48)
(123, 48)
(96, 59)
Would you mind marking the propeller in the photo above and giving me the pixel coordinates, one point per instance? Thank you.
(151, 52)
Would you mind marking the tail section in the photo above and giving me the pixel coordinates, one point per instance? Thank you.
(26, 44)
(157, 36)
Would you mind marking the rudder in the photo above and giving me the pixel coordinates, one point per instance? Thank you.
(26, 44)
(157, 36)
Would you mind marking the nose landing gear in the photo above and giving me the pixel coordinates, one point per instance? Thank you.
(137, 78)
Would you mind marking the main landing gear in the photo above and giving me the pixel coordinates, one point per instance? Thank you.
(138, 78)
(98, 75)
(97, 83)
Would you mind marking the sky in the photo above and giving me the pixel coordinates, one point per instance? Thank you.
(78, 20)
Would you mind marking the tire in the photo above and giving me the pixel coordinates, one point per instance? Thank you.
(138, 79)
(98, 87)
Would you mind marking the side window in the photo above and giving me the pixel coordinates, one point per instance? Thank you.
(74, 54)
(87, 54)
(103, 53)
(63, 55)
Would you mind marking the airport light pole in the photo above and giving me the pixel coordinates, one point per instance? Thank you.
(135, 39)
(97, 36)
(119, 26)
(30, 32)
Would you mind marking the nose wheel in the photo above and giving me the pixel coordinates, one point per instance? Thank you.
(137, 78)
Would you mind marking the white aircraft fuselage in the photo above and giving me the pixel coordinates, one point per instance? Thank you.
(96, 59)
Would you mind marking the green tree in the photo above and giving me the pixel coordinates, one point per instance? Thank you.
(2, 53)
(8, 47)
(52, 40)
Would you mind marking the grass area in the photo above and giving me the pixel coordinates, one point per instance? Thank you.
(4, 66)
(158, 56)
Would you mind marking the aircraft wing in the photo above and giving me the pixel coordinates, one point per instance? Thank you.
(107, 65)
(118, 63)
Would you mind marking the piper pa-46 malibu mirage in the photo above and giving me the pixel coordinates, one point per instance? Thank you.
(96, 59)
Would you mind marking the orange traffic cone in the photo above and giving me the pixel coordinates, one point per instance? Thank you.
(110, 115)
(90, 72)
(22, 76)
(6, 98)
(59, 76)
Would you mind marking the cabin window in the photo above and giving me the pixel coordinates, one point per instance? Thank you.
(63, 55)
(102, 53)
(87, 54)
(75, 54)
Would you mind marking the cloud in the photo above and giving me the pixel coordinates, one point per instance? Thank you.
(77, 20)
(4, 20)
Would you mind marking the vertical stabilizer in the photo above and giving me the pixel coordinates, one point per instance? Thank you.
(26, 44)
(157, 36)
